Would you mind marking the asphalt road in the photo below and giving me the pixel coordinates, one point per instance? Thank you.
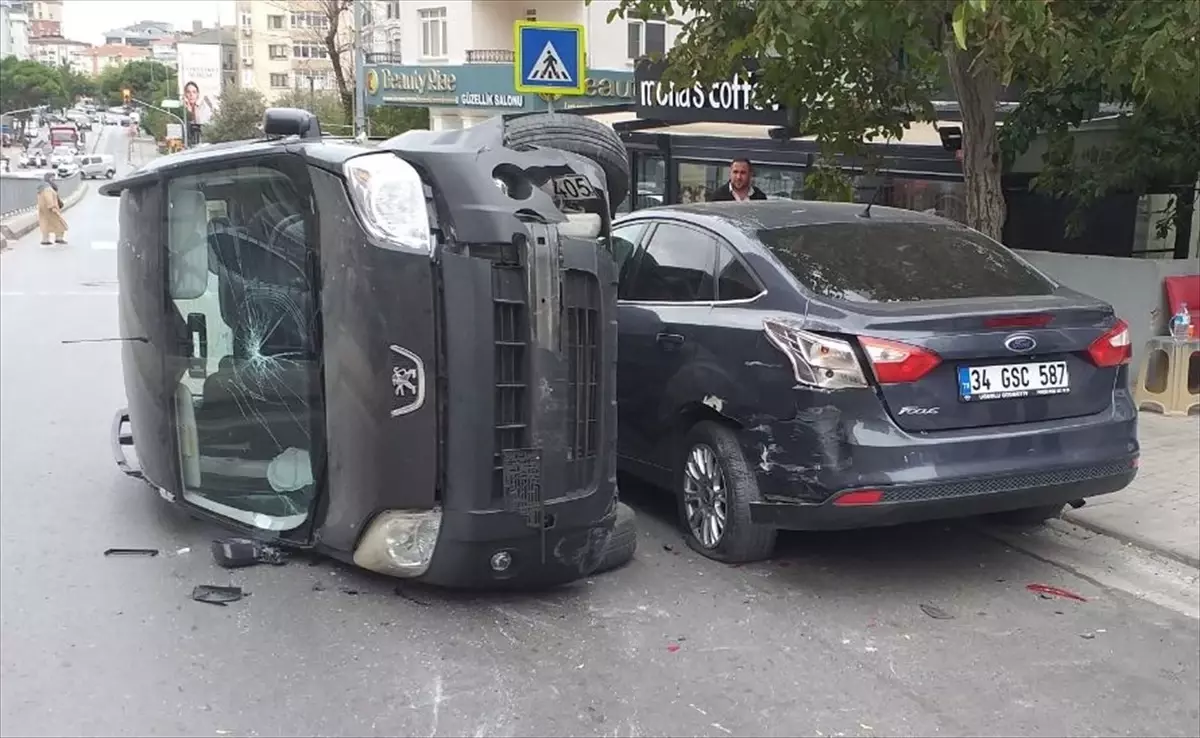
(829, 639)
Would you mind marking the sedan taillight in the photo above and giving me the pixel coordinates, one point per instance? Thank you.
(1114, 348)
(817, 361)
(896, 363)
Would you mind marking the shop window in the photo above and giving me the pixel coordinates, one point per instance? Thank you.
(651, 181)
(697, 180)
(936, 197)
(434, 40)
(646, 37)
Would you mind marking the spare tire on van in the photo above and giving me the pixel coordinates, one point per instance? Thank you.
(577, 135)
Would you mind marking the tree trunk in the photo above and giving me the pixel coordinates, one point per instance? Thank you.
(977, 88)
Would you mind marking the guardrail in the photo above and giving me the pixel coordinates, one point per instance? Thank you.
(18, 190)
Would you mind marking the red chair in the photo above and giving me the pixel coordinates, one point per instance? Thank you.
(1181, 290)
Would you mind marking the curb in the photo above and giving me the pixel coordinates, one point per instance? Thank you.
(28, 222)
(1133, 540)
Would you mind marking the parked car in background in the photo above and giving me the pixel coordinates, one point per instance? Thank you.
(66, 169)
(809, 365)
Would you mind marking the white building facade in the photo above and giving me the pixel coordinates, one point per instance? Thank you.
(14, 30)
(455, 38)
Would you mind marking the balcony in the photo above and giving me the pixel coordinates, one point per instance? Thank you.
(490, 56)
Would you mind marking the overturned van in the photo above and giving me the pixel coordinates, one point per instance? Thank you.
(400, 355)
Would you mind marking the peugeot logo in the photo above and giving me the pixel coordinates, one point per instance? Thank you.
(1020, 343)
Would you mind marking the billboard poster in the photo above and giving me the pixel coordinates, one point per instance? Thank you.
(199, 80)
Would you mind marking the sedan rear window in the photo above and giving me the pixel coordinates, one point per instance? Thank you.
(901, 262)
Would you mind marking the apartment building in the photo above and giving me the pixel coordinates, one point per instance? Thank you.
(104, 57)
(381, 37)
(55, 51)
(14, 30)
(45, 18)
(466, 48)
(143, 34)
(281, 46)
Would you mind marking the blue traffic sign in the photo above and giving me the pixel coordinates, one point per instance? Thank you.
(549, 58)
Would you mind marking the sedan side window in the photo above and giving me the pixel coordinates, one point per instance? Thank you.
(677, 266)
(734, 281)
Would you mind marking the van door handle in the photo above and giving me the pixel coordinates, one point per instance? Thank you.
(669, 341)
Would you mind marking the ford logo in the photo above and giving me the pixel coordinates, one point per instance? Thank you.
(1020, 343)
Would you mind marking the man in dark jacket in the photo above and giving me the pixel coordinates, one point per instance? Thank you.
(738, 188)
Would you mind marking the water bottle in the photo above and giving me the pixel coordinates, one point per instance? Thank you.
(1181, 323)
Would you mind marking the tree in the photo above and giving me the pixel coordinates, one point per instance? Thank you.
(388, 120)
(147, 80)
(28, 84)
(332, 28)
(851, 71)
(238, 117)
(76, 85)
(326, 105)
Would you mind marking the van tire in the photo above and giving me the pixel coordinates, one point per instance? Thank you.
(110, 174)
(623, 542)
(577, 135)
(741, 541)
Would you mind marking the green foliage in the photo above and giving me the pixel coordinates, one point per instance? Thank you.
(238, 116)
(76, 85)
(388, 121)
(851, 71)
(326, 105)
(149, 81)
(28, 84)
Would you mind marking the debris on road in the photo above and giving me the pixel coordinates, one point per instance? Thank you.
(131, 552)
(936, 613)
(214, 594)
(672, 647)
(236, 553)
(1048, 592)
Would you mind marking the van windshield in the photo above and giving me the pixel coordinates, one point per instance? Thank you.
(901, 262)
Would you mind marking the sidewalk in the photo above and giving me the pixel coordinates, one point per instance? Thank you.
(1160, 511)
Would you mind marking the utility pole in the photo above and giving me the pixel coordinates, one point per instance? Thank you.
(360, 70)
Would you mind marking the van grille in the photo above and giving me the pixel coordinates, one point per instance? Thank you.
(581, 342)
(511, 330)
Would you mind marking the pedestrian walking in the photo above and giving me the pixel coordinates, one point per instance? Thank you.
(49, 206)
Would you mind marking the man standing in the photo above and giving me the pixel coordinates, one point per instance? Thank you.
(738, 188)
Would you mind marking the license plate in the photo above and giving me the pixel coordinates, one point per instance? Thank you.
(572, 188)
(1007, 381)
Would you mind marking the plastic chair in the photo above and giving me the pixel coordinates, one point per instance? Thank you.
(1169, 379)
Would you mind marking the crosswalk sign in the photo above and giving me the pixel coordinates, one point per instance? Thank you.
(550, 58)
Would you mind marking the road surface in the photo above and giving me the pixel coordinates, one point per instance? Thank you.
(829, 639)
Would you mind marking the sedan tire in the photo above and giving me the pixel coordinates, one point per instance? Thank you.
(714, 487)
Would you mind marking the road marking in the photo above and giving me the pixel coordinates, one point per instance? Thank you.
(104, 245)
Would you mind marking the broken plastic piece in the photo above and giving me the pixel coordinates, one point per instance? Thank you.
(131, 552)
(235, 553)
(936, 613)
(1045, 589)
(672, 647)
(213, 594)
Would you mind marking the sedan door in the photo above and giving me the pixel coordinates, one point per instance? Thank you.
(667, 295)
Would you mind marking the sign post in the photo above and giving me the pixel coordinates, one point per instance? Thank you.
(550, 59)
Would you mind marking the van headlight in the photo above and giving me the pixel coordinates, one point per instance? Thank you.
(399, 543)
(389, 197)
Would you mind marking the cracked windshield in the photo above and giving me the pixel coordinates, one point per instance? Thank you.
(599, 368)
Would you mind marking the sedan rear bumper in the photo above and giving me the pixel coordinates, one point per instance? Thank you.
(910, 503)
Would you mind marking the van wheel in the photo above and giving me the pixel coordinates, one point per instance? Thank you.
(623, 543)
(110, 174)
(577, 135)
(1029, 516)
(714, 487)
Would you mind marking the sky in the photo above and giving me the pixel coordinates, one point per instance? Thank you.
(87, 20)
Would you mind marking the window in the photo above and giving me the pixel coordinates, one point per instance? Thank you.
(247, 50)
(247, 20)
(394, 49)
(433, 33)
(651, 180)
(531, 14)
(676, 267)
(275, 22)
(393, 10)
(247, 78)
(279, 80)
(646, 37)
(277, 51)
(901, 262)
(310, 50)
(733, 278)
(309, 19)
(623, 242)
(697, 180)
